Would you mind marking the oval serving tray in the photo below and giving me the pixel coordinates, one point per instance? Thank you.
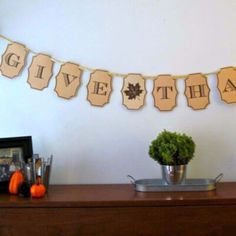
(157, 185)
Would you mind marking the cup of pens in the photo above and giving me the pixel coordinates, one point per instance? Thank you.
(38, 170)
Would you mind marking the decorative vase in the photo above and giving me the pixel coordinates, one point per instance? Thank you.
(173, 174)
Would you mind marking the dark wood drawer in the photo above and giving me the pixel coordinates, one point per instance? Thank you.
(117, 210)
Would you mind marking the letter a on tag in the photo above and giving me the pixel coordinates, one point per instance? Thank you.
(197, 91)
(99, 88)
(68, 80)
(13, 60)
(40, 71)
(227, 84)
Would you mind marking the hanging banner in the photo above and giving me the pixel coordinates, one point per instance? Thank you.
(227, 84)
(99, 88)
(133, 91)
(68, 80)
(164, 92)
(13, 60)
(197, 91)
(40, 71)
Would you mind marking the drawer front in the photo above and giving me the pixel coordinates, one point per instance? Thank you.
(118, 221)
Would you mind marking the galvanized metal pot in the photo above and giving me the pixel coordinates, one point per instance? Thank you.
(173, 174)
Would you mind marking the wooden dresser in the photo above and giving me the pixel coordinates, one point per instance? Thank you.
(112, 210)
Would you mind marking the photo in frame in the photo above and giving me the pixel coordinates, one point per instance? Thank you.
(13, 151)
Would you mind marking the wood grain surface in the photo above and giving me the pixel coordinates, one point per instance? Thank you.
(119, 210)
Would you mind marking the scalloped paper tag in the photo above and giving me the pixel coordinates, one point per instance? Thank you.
(40, 71)
(197, 91)
(68, 80)
(164, 92)
(99, 88)
(13, 60)
(133, 91)
(226, 85)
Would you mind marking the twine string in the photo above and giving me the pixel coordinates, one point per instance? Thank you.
(113, 74)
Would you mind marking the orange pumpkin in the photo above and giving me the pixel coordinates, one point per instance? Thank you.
(16, 180)
(37, 190)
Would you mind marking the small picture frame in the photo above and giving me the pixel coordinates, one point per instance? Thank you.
(13, 150)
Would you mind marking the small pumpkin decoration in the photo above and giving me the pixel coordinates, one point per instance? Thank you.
(16, 180)
(37, 190)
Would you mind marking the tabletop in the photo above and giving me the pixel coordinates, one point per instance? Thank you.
(112, 195)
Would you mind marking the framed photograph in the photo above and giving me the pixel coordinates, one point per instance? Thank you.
(13, 151)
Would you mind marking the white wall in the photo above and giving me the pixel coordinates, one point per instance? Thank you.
(103, 145)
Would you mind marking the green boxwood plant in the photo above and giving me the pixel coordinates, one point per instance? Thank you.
(171, 148)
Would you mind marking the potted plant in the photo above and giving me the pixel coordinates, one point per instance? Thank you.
(172, 151)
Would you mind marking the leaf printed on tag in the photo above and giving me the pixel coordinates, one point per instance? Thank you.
(133, 91)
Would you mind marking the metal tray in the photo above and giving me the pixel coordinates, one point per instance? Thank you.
(158, 185)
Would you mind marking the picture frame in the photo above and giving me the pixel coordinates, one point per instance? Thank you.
(13, 150)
